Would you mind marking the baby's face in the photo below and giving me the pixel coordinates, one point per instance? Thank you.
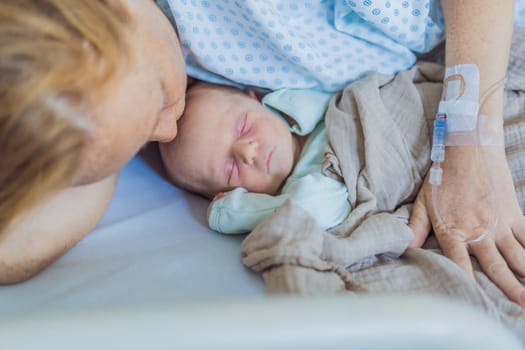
(233, 142)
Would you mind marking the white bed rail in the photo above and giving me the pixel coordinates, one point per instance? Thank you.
(328, 323)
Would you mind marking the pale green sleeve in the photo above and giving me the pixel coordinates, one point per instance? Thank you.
(239, 211)
(324, 198)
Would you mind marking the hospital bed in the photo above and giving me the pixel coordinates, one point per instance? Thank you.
(153, 276)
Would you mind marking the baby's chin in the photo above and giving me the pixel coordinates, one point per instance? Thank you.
(270, 189)
(275, 187)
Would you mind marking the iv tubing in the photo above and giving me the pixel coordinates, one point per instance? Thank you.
(495, 218)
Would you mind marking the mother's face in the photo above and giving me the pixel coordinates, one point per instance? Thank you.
(145, 104)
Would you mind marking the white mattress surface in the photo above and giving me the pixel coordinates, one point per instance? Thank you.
(153, 276)
(152, 246)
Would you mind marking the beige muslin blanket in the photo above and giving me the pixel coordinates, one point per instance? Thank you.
(379, 142)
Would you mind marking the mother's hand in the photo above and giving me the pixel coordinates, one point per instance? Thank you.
(467, 207)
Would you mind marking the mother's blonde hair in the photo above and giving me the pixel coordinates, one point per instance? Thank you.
(54, 55)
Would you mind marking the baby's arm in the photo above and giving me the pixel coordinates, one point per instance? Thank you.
(239, 211)
(325, 198)
(215, 199)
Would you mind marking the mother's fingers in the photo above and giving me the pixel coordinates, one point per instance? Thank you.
(519, 230)
(513, 252)
(497, 270)
(419, 221)
(455, 250)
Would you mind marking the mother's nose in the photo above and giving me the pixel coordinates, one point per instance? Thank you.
(245, 150)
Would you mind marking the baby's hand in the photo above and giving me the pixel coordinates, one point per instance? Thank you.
(217, 197)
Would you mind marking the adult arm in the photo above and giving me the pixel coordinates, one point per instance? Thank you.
(46, 232)
(478, 32)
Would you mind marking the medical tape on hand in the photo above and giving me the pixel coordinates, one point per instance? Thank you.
(460, 104)
(457, 115)
(460, 107)
(489, 132)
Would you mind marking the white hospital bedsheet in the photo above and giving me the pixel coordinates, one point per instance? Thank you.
(152, 275)
(152, 246)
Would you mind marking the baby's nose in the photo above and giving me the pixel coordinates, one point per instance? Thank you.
(246, 151)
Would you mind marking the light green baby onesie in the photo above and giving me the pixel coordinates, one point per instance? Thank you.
(324, 198)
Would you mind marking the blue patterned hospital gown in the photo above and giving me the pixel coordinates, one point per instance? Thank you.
(320, 44)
